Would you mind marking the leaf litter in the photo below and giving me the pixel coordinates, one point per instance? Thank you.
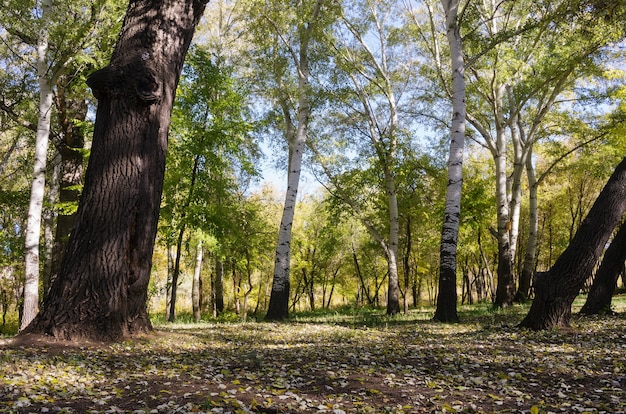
(396, 366)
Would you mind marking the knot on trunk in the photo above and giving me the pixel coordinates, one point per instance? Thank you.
(135, 79)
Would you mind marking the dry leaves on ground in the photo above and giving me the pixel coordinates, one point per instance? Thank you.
(406, 365)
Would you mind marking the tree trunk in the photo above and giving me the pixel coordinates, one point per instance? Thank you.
(528, 268)
(505, 291)
(70, 149)
(218, 300)
(171, 316)
(33, 224)
(50, 217)
(407, 266)
(278, 308)
(447, 295)
(102, 287)
(195, 285)
(556, 289)
(393, 285)
(604, 284)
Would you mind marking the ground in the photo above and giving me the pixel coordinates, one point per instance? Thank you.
(339, 363)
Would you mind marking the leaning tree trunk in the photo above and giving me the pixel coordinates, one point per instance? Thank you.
(101, 290)
(556, 289)
(447, 295)
(605, 281)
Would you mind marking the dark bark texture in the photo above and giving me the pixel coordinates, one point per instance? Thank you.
(71, 148)
(556, 289)
(505, 292)
(100, 292)
(601, 292)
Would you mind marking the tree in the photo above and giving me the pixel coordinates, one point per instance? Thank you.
(364, 135)
(45, 30)
(605, 279)
(447, 297)
(556, 289)
(287, 35)
(101, 289)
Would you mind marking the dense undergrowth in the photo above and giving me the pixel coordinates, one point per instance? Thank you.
(353, 360)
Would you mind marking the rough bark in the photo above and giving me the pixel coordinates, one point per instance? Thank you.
(556, 289)
(605, 281)
(447, 294)
(101, 290)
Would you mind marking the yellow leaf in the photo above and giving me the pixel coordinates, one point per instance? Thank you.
(534, 410)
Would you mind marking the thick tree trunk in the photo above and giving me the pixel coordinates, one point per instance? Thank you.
(33, 224)
(447, 294)
(101, 290)
(556, 289)
(605, 281)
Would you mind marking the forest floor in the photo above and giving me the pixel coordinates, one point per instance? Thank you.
(350, 362)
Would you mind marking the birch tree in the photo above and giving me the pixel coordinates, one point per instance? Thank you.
(363, 129)
(446, 298)
(285, 35)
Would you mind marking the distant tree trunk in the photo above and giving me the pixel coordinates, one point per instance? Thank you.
(236, 288)
(195, 285)
(30, 304)
(447, 296)
(218, 299)
(605, 281)
(406, 265)
(171, 316)
(179, 244)
(101, 290)
(556, 289)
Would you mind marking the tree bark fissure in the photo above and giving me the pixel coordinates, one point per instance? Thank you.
(100, 292)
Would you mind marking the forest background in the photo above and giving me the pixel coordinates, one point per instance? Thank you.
(544, 132)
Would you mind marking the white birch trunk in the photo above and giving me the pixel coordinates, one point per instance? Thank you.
(279, 299)
(447, 296)
(35, 207)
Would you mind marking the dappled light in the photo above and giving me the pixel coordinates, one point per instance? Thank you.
(364, 362)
